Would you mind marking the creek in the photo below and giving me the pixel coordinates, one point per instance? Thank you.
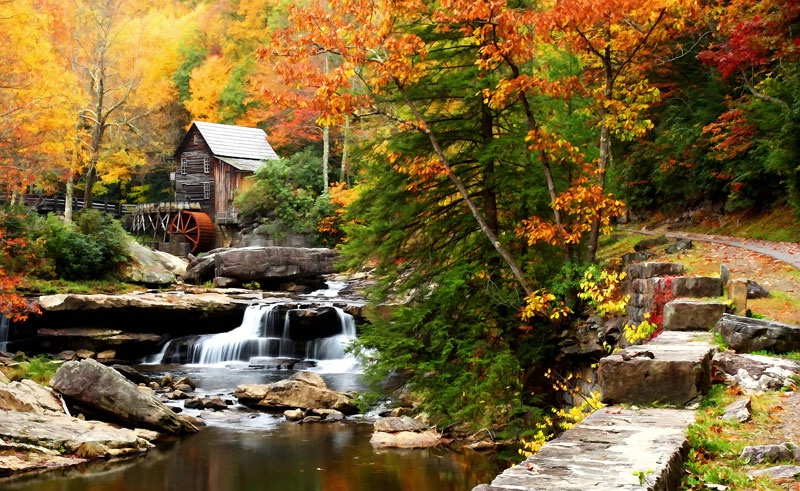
(243, 449)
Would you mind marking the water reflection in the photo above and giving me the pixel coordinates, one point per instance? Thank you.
(289, 457)
(242, 450)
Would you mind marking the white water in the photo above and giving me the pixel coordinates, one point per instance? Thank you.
(263, 335)
(5, 325)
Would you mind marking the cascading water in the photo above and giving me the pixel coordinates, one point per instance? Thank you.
(266, 334)
(5, 326)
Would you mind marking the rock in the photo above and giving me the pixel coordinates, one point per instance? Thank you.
(778, 473)
(30, 397)
(653, 269)
(697, 286)
(724, 274)
(406, 439)
(106, 355)
(173, 312)
(294, 414)
(214, 403)
(328, 415)
(295, 392)
(650, 242)
(149, 267)
(755, 374)
(225, 282)
(692, 315)
(635, 257)
(82, 354)
(132, 374)
(760, 454)
(59, 433)
(737, 292)
(605, 452)
(746, 335)
(398, 424)
(185, 381)
(678, 372)
(106, 391)
(193, 403)
(312, 419)
(679, 246)
(738, 411)
(754, 290)
(273, 265)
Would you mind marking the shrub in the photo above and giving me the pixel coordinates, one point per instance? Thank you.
(93, 247)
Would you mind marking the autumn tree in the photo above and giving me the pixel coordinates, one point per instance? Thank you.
(36, 108)
(615, 43)
(116, 51)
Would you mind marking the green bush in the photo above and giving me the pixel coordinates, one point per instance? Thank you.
(91, 248)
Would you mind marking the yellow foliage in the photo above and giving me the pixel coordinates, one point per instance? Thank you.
(542, 303)
(603, 292)
(561, 419)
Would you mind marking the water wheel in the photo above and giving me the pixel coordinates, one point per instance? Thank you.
(196, 227)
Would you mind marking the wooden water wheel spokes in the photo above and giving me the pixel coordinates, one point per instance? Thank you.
(196, 227)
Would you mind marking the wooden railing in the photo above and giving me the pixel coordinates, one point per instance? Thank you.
(44, 204)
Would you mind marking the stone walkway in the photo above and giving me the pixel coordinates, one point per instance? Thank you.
(614, 448)
(625, 447)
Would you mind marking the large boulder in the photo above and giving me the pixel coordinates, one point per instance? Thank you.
(150, 267)
(746, 335)
(303, 390)
(271, 265)
(105, 391)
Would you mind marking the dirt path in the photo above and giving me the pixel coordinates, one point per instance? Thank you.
(788, 252)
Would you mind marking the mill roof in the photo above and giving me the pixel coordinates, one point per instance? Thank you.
(242, 147)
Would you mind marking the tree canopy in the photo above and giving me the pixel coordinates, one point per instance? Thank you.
(482, 146)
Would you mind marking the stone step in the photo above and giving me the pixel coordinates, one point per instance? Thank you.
(611, 449)
(679, 286)
(674, 368)
(685, 314)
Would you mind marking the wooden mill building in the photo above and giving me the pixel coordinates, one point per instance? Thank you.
(212, 161)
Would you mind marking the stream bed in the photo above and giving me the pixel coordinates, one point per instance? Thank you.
(242, 449)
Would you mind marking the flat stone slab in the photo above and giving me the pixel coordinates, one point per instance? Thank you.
(673, 368)
(692, 315)
(610, 449)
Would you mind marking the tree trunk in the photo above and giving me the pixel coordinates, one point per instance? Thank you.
(70, 194)
(345, 136)
(504, 253)
(326, 147)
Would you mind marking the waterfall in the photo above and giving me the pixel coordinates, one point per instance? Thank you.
(265, 334)
(5, 326)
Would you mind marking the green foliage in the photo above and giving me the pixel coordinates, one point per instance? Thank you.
(715, 445)
(462, 353)
(39, 368)
(286, 195)
(23, 233)
(91, 248)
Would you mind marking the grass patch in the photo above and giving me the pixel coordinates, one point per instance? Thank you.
(39, 368)
(33, 286)
(715, 445)
(779, 224)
